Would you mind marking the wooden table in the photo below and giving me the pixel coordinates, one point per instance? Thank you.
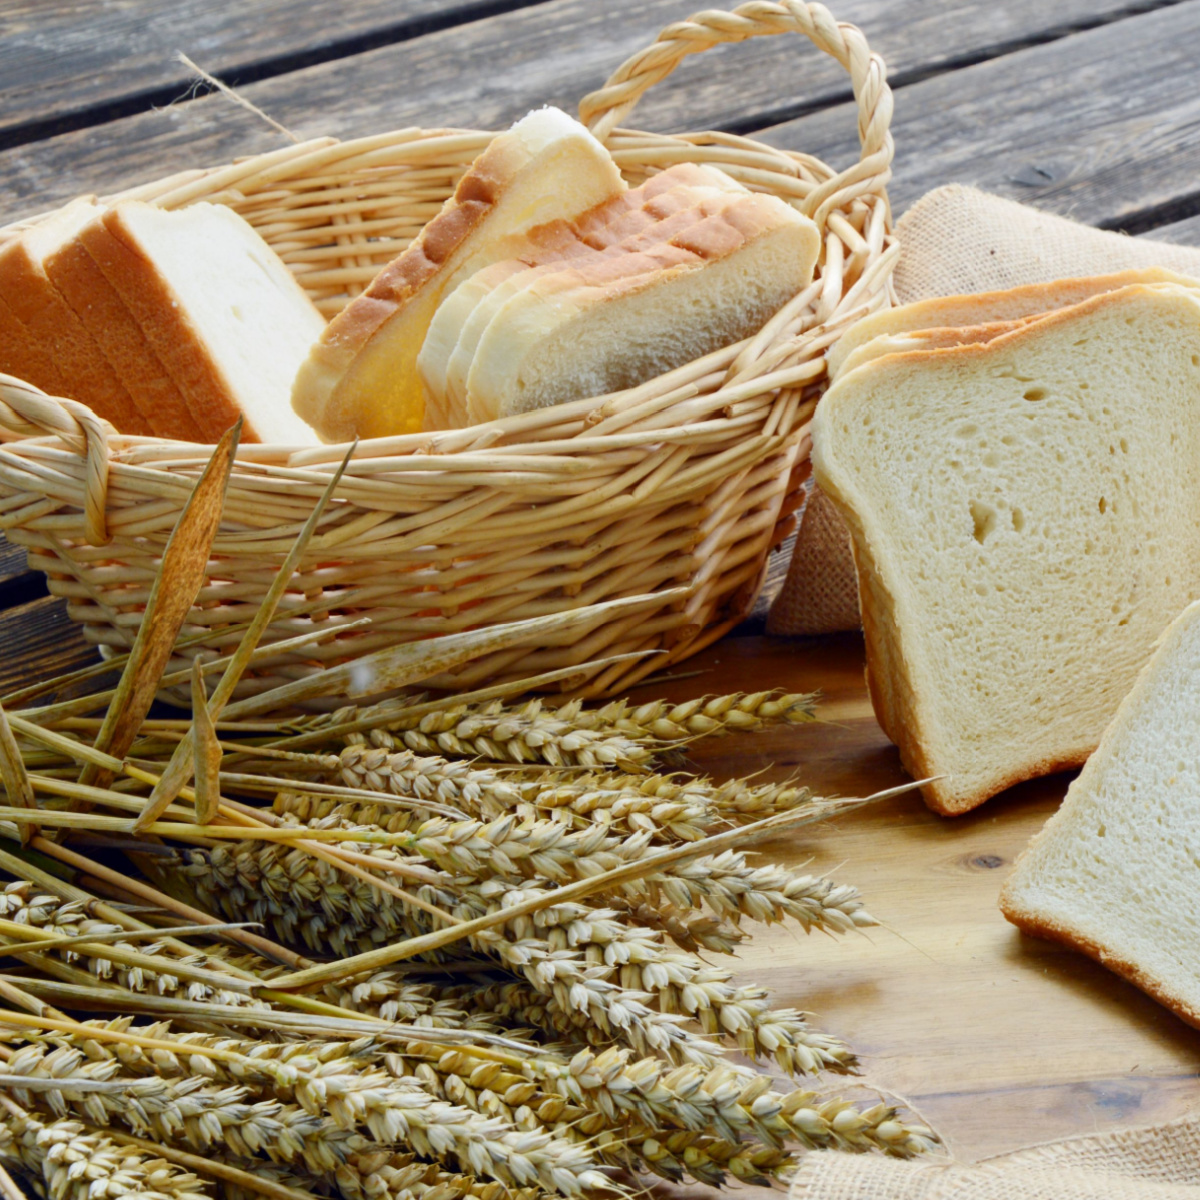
(1086, 107)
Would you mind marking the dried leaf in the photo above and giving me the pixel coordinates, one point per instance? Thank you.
(179, 579)
(179, 769)
(208, 750)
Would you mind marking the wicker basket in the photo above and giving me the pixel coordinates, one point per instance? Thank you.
(687, 481)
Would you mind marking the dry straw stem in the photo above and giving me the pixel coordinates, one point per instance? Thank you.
(15, 777)
(176, 584)
(410, 662)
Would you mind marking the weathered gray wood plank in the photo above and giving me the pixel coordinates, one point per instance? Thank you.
(1101, 126)
(1183, 233)
(488, 73)
(59, 57)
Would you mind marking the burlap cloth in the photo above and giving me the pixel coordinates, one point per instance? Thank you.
(1160, 1163)
(954, 240)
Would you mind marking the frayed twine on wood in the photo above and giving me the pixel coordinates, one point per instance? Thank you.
(224, 88)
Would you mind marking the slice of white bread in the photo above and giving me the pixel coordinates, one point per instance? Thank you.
(361, 379)
(611, 325)
(1022, 514)
(927, 339)
(1114, 872)
(86, 374)
(979, 307)
(466, 314)
(218, 307)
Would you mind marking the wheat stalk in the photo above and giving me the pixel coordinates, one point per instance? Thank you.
(525, 735)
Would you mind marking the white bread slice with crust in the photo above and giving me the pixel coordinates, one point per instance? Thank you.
(928, 339)
(29, 292)
(74, 272)
(979, 307)
(219, 308)
(1114, 872)
(475, 302)
(614, 324)
(1020, 512)
(601, 228)
(361, 379)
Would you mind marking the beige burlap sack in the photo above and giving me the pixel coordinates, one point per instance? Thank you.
(1157, 1163)
(955, 240)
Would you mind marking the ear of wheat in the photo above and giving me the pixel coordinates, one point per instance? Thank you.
(425, 949)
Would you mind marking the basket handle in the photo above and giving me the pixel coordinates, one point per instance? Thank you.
(26, 411)
(602, 110)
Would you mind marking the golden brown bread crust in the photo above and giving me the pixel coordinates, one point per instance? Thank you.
(1010, 304)
(1052, 931)
(22, 356)
(175, 343)
(86, 373)
(351, 330)
(86, 289)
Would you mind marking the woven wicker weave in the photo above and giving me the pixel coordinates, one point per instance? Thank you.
(686, 481)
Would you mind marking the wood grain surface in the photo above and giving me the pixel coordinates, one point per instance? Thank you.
(60, 59)
(487, 73)
(1103, 126)
(997, 1039)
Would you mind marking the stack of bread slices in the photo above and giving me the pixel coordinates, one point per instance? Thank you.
(546, 279)
(166, 323)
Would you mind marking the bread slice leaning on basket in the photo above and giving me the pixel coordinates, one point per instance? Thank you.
(929, 339)
(1022, 516)
(360, 379)
(1114, 871)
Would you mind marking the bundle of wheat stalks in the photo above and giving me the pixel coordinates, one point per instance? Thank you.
(429, 947)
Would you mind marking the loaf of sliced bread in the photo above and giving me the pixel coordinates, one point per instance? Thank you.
(51, 323)
(1114, 871)
(361, 378)
(1022, 518)
(616, 322)
(602, 229)
(466, 313)
(220, 311)
(980, 307)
